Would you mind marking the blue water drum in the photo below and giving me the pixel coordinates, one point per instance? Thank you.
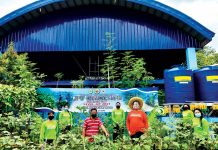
(179, 85)
(206, 84)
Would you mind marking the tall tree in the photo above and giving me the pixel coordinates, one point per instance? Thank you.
(127, 63)
(207, 56)
(58, 76)
(127, 69)
(17, 70)
(133, 71)
(110, 67)
(18, 81)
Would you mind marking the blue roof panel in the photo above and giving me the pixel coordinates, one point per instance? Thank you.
(133, 32)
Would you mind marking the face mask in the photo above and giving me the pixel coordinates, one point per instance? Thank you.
(94, 115)
(118, 107)
(185, 108)
(50, 117)
(197, 115)
(66, 109)
(135, 107)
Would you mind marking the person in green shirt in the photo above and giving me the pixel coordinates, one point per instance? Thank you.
(187, 114)
(49, 130)
(118, 118)
(65, 119)
(200, 125)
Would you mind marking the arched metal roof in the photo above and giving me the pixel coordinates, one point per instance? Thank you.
(39, 8)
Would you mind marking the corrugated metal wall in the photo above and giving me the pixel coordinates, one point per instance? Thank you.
(84, 29)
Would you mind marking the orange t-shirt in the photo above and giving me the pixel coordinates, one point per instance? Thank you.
(136, 121)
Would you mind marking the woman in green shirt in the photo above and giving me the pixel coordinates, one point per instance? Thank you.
(49, 129)
(200, 125)
(65, 119)
(187, 114)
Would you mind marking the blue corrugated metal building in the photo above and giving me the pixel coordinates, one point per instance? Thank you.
(66, 35)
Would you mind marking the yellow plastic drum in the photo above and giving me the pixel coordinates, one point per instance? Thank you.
(176, 109)
(215, 106)
(202, 106)
(192, 106)
(166, 110)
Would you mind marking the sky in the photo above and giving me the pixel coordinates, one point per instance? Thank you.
(203, 11)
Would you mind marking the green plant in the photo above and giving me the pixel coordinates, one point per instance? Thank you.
(15, 133)
(207, 56)
(110, 66)
(45, 100)
(17, 70)
(78, 83)
(133, 71)
(59, 76)
(129, 72)
(16, 99)
(19, 132)
(161, 97)
(19, 80)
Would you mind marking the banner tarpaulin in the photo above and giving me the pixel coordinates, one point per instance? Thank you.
(104, 99)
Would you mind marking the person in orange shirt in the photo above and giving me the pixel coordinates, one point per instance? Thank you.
(136, 122)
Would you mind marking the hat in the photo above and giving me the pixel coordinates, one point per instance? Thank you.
(135, 99)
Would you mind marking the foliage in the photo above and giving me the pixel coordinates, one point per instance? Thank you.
(59, 76)
(207, 56)
(20, 132)
(18, 81)
(127, 63)
(45, 100)
(16, 132)
(161, 97)
(133, 70)
(17, 70)
(126, 69)
(214, 128)
(109, 41)
(78, 83)
(110, 67)
(18, 94)
(129, 71)
(16, 99)
(159, 136)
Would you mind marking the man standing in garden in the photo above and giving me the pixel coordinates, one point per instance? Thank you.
(91, 126)
(49, 130)
(118, 118)
(65, 119)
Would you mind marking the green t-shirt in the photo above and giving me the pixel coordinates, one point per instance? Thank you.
(201, 130)
(49, 130)
(65, 118)
(187, 115)
(118, 116)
